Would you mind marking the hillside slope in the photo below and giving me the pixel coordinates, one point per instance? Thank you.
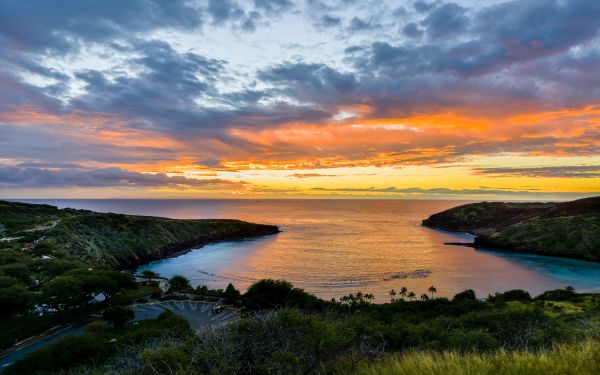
(569, 229)
(111, 239)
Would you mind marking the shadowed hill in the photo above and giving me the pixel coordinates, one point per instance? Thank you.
(569, 229)
(111, 239)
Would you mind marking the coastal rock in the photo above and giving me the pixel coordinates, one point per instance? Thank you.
(416, 274)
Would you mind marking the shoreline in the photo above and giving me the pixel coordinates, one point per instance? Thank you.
(175, 250)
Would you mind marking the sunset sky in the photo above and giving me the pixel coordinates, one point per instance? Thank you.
(474, 99)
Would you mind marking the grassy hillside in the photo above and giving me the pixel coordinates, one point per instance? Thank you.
(577, 359)
(570, 229)
(110, 239)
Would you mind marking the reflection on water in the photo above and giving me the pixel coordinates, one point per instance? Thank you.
(336, 247)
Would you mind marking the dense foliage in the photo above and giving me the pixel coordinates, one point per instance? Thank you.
(352, 335)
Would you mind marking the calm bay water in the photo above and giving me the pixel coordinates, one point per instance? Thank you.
(335, 247)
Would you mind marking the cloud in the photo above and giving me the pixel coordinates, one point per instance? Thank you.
(224, 10)
(151, 85)
(424, 6)
(412, 30)
(62, 25)
(36, 177)
(415, 191)
(311, 175)
(330, 21)
(359, 25)
(446, 21)
(274, 6)
(573, 171)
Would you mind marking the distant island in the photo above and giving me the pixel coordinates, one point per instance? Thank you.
(115, 240)
(569, 229)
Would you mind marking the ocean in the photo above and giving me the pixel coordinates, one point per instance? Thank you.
(335, 247)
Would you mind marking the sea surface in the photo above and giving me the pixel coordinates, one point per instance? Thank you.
(335, 247)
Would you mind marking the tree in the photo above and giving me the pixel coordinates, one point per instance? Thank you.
(231, 294)
(17, 271)
(14, 299)
(411, 295)
(45, 270)
(63, 292)
(179, 282)
(467, 295)
(271, 293)
(392, 295)
(118, 315)
(149, 274)
(203, 289)
(432, 290)
(403, 292)
(424, 297)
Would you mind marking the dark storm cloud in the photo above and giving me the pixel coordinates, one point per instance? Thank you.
(35, 177)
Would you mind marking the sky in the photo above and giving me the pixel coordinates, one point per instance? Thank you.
(300, 99)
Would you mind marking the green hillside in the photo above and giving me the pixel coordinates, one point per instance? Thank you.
(570, 229)
(110, 239)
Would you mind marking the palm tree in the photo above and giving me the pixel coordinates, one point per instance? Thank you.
(432, 290)
(403, 292)
(392, 295)
(424, 297)
(411, 295)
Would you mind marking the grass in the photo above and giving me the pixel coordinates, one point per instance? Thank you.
(561, 360)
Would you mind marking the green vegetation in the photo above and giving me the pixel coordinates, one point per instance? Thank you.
(117, 315)
(178, 282)
(563, 229)
(297, 333)
(111, 239)
(574, 359)
(59, 265)
(98, 344)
